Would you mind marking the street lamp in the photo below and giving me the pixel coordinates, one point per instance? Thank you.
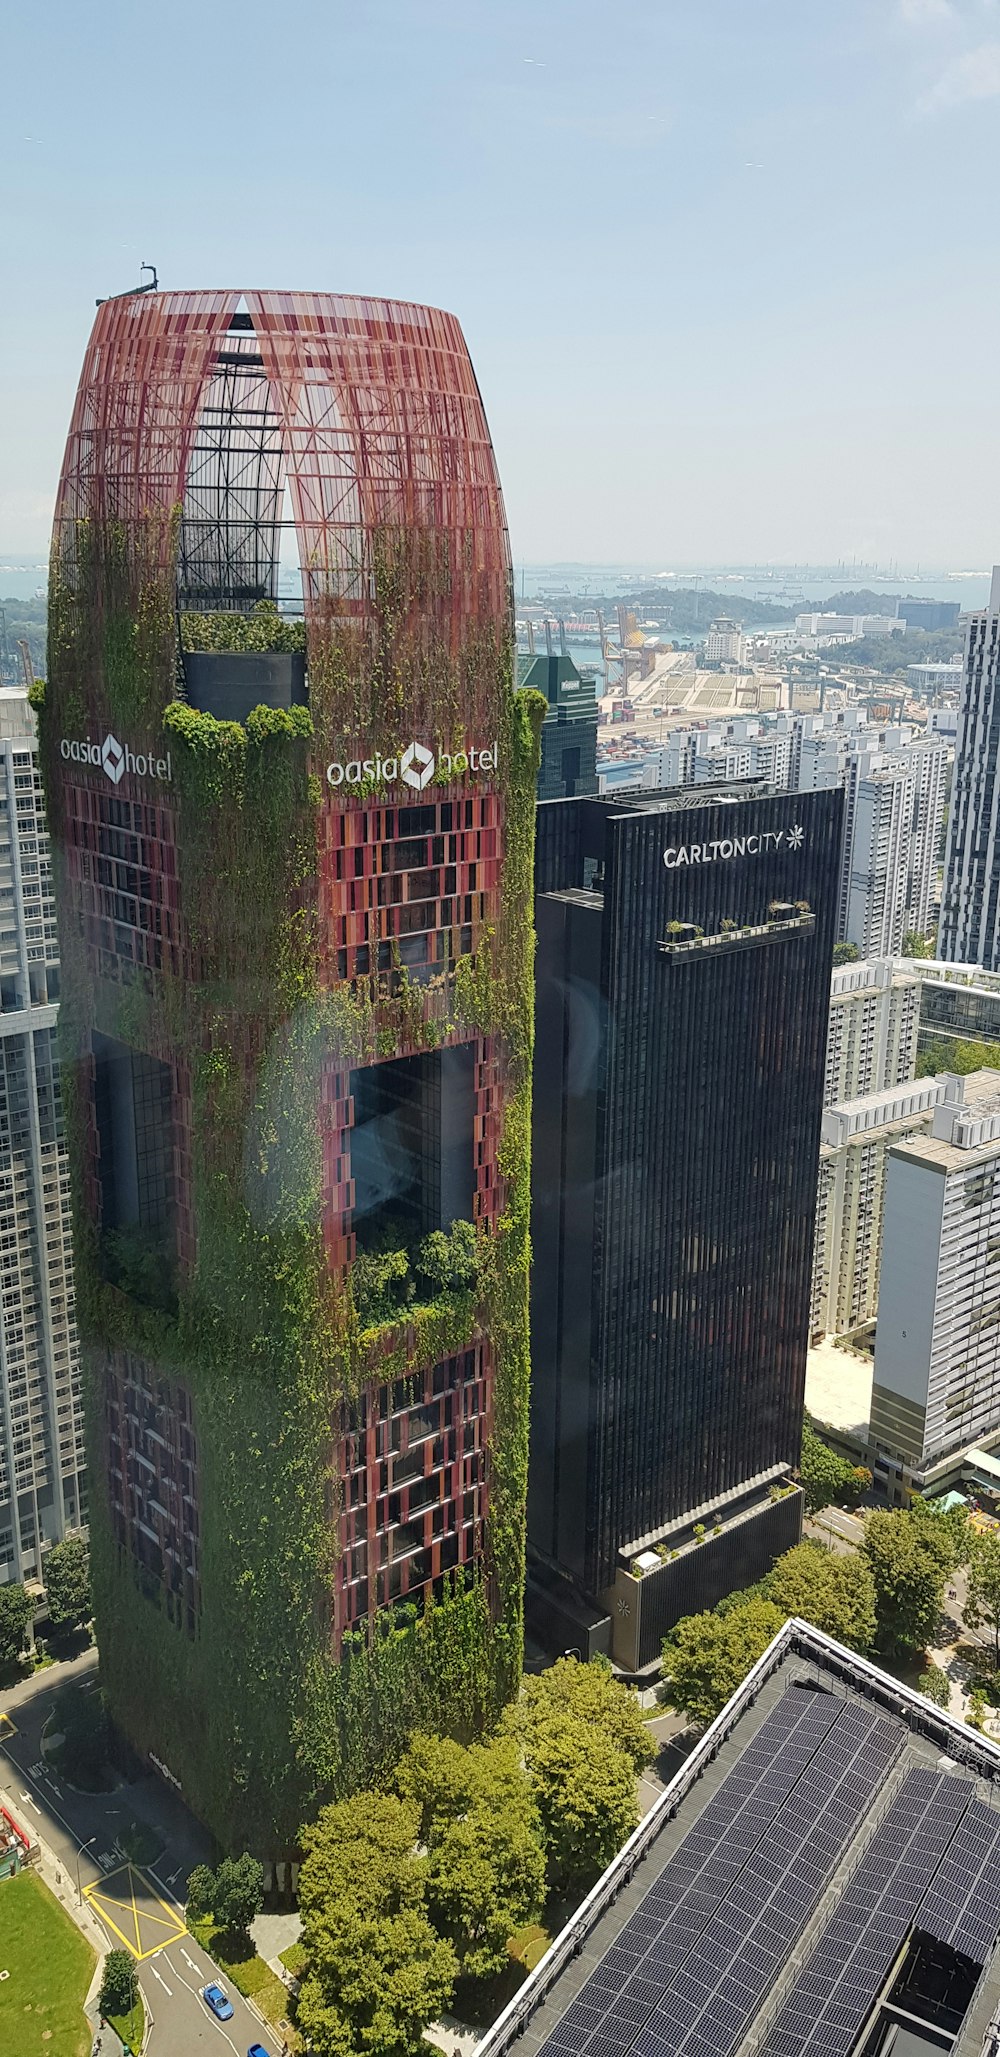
(79, 1854)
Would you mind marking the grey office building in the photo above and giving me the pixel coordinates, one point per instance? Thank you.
(42, 1491)
(682, 993)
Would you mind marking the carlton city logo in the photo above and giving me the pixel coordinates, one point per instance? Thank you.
(415, 767)
(115, 759)
(722, 848)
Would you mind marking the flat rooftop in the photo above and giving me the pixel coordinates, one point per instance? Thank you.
(839, 1388)
(821, 1878)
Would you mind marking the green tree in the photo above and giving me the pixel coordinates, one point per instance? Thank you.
(200, 1892)
(16, 1610)
(708, 1655)
(910, 1559)
(485, 1879)
(961, 1057)
(983, 1605)
(448, 1260)
(238, 1894)
(438, 1776)
(827, 1478)
(845, 953)
(916, 945)
(976, 1716)
(586, 1796)
(591, 1694)
(377, 1973)
(82, 1720)
(119, 1984)
(66, 1571)
(837, 1594)
(951, 1523)
(934, 1684)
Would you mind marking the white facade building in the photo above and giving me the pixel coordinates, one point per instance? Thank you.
(855, 1141)
(970, 908)
(871, 1042)
(937, 1348)
(42, 1493)
(725, 642)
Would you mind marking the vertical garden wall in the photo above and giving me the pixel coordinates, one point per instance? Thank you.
(222, 1346)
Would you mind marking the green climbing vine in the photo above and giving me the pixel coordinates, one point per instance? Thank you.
(253, 1712)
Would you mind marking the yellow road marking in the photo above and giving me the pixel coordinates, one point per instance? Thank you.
(7, 1727)
(140, 1916)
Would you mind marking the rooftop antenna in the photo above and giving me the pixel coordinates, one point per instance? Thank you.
(148, 286)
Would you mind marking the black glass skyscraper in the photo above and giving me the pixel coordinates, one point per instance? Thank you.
(682, 988)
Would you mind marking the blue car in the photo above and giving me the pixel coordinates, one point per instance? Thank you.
(257, 2050)
(219, 2002)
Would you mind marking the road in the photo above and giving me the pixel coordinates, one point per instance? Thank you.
(137, 1908)
(835, 1529)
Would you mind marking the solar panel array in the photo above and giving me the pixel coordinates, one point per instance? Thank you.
(692, 1966)
(934, 1864)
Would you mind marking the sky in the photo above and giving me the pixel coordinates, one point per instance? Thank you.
(727, 268)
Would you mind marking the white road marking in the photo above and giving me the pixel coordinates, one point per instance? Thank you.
(162, 1981)
(31, 1803)
(192, 1966)
(175, 1874)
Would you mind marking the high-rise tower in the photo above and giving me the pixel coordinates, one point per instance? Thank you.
(293, 862)
(970, 907)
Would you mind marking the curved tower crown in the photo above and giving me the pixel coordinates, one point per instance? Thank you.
(293, 842)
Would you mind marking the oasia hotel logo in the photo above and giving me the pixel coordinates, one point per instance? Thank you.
(115, 759)
(415, 767)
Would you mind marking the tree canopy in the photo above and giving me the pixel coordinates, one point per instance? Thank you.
(835, 1593)
(947, 1054)
(911, 1557)
(16, 1610)
(377, 1971)
(983, 1605)
(66, 1571)
(827, 1478)
(708, 1655)
(119, 1983)
(590, 1693)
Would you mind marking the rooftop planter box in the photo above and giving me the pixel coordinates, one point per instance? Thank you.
(230, 683)
(754, 936)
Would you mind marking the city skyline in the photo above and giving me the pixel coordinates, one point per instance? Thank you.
(714, 263)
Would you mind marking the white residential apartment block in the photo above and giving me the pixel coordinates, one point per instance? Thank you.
(871, 1042)
(879, 868)
(937, 1347)
(970, 907)
(855, 1141)
(42, 1490)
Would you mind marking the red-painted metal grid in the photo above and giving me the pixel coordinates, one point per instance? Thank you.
(384, 430)
(139, 398)
(151, 1460)
(122, 870)
(412, 886)
(413, 1458)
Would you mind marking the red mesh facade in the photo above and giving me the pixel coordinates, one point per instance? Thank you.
(402, 544)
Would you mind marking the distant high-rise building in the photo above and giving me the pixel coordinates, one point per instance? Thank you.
(927, 614)
(296, 909)
(970, 911)
(937, 1344)
(682, 990)
(725, 642)
(569, 731)
(42, 1466)
(872, 1037)
(856, 1138)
